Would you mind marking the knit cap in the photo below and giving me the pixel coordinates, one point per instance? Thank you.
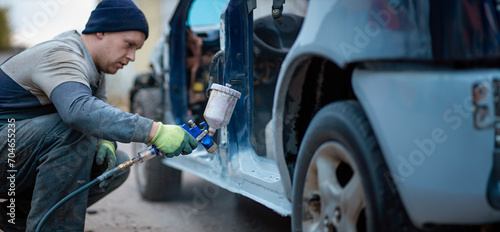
(116, 15)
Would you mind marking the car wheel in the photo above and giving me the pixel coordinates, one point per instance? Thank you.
(155, 180)
(340, 180)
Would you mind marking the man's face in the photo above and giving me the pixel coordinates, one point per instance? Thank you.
(116, 49)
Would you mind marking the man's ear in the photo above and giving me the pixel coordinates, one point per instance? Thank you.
(99, 35)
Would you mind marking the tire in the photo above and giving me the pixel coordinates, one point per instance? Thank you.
(155, 180)
(355, 194)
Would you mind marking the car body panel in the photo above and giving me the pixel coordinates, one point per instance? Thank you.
(440, 167)
(254, 177)
(348, 31)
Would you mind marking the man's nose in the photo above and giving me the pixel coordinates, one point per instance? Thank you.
(131, 56)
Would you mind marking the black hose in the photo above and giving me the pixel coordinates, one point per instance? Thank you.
(211, 70)
(74, 193)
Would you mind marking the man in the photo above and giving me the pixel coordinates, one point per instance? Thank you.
(56, 129)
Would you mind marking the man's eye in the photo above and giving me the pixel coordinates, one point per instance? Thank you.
(130, 45)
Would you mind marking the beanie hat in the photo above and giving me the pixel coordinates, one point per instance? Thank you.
(116, 15)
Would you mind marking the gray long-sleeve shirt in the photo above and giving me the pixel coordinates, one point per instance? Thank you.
(60, 76)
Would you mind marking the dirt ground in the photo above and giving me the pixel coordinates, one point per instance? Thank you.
(201, 207)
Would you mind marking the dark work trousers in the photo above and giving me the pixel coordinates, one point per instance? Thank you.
(41, 161)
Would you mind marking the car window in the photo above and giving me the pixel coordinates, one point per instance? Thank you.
(205, 12)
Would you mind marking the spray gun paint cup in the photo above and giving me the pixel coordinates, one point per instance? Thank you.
(220, 106)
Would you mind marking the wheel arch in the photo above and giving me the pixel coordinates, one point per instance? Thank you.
(296, 101)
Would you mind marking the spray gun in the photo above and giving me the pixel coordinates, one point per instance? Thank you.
(217, 114)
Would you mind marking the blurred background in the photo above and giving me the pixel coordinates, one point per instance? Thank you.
(24, 23)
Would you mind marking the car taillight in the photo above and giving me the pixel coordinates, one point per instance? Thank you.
(484, 115)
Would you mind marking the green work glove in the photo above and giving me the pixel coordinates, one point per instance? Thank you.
(106, 152)
(172, 140)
